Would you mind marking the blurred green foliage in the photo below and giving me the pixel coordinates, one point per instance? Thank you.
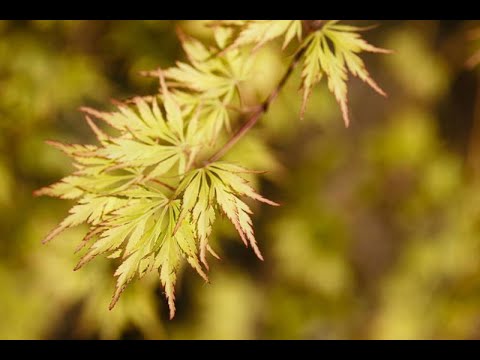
(378, 235)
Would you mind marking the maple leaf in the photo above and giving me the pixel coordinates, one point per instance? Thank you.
(220, 186)
(333, 51)
(157, 143)
(213, 76)
(145, 229)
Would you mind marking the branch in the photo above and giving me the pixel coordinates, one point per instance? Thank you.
(261, 110)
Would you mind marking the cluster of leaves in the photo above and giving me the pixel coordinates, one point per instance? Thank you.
(151, 193)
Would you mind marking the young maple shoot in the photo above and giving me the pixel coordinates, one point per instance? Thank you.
(151, 193)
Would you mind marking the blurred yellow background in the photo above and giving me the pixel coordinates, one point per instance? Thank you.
(378, 236)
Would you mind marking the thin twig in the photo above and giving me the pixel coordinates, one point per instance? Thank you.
(261, 109)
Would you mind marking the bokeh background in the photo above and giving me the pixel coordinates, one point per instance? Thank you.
(379, 233)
